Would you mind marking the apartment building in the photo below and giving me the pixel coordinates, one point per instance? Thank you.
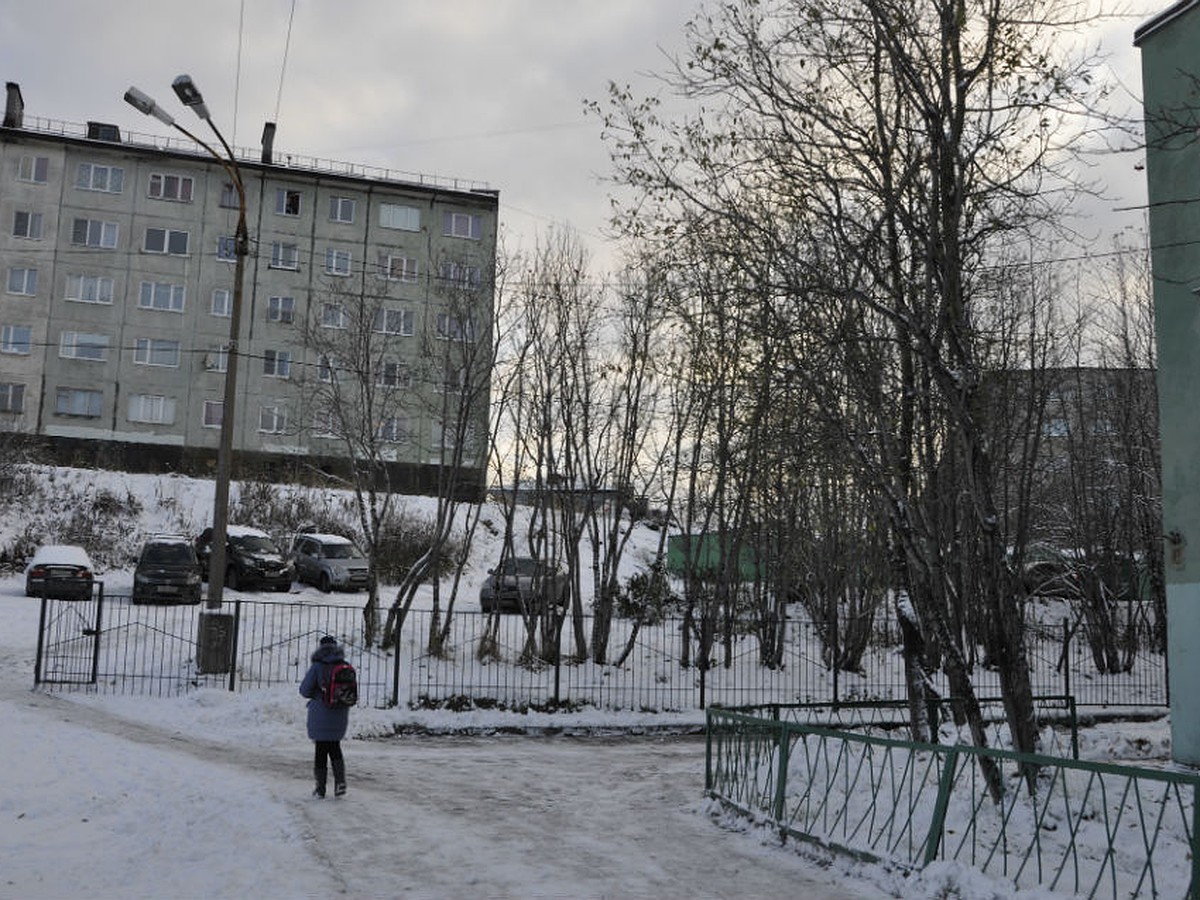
(117, 255)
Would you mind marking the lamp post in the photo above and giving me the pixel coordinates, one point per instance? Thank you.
(189, 95)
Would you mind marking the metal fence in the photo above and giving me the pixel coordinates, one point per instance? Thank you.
(1091, 829)
(111, 645)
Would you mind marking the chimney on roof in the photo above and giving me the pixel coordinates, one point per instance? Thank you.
(268, 142)
(14, 106)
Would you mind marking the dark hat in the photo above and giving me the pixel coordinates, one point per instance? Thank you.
(328, 639)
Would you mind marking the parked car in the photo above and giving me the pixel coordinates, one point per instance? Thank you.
(252, 559)
(329, 561)
(167, 571)
(522, 584)
(61, 571)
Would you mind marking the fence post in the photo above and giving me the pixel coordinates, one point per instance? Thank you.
(936, 825)
(1066, 651)
(783, 751)
(233, 639)
(41, 642)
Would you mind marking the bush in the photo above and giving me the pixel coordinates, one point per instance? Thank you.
(647, 596)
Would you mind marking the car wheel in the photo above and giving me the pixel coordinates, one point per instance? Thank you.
(231, 579)
(324, 584)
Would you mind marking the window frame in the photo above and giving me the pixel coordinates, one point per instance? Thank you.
(278, 418)
(453, 220)
(156, 409)
(16, 340)
(383, 317)
(93, 402)
(339, 263)
(207, 417)
(33, 169)
(394, 216)
(409, 268)
(147, 351)
(28, 281)
(176, 302)
(164, 179)
(170, 241)
(103, 240)
(35, 223)
(281, 309)
(12, 397)
(99, 282)
(286, 199)
(277, 364)
(338, 205)
(84, 346)
(283, 252)
(94, 184)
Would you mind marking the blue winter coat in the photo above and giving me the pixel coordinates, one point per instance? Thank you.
(324, 722)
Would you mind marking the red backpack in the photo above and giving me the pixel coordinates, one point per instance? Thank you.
(341, 690)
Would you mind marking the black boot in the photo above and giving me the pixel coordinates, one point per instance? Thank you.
(339, 777)
(319, 777)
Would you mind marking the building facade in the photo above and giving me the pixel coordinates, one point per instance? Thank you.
(117, 255)
(1171, 91)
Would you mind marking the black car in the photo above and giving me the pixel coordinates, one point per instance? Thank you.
(251, 559)
(61, 571)
(167, 571)
(523, 585)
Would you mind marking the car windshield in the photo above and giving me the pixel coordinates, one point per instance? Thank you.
(170, 554)
(255, 543)
(342, 551)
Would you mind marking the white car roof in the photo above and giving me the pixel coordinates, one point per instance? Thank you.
(64, 554)
(244, 531)
(327, 538)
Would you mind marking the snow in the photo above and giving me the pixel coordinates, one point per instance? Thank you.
(60, 555)
(207, 796)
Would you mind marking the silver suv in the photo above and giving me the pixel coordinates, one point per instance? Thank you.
(523, 585)
(329, 561)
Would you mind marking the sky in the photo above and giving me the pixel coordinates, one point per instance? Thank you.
(486, 90)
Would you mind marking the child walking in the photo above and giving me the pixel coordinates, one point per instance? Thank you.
(326, 724)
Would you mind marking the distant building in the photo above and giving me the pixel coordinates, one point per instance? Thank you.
(117, 260)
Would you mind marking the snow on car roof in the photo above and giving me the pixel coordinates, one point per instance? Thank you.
(244, 531)
(328, 538)
(63, 554)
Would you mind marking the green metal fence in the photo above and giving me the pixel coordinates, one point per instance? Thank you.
(1089, 829)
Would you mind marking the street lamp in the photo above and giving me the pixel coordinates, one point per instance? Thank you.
(189, 95)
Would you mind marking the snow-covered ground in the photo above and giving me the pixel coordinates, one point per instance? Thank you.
(207, 796)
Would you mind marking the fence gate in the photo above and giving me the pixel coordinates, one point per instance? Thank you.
(68, 649)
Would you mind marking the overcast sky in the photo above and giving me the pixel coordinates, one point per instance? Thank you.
(487, 90)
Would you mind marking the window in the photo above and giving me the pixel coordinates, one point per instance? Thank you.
(324, 423)
(79, 345)
(94, 233)
(341, 209)
(77, 402)
(403, 218)
(33, 168)
(217, 359)
(337, 262)
(455, 328)
(214, 412)
(393, 375)
(459, 275)
(327, 367)
(454, 380)
(393, 321)
(281, 309)
(12, 397)
(162, 295)
(277, 363)
(156, 352)
(229, 196)
(227, 248)
(272, 419)
(16, 339)
(287, 202)
(462, 225)
(90, 177)
(333, 315)
(89, 289)
(397, 268)
(171, 187)
(22, 281)
(154, 409)
(164, 240)
(393, 429)
(285, 256)
(222, 303)
(27, 225)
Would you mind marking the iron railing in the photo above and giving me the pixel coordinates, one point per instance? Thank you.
(482, 660)
(1085, 828)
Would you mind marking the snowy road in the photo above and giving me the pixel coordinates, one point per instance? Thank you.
(170, 814)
